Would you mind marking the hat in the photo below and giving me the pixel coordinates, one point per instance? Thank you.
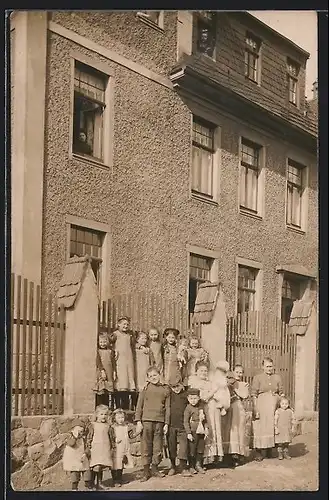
(171, 330)
(193, 392)
(223, 366)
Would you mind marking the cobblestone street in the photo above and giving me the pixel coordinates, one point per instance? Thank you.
(298, 474)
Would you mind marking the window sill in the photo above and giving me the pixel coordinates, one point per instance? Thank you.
(149, 22)
(203, 199)
(255, 82)
(89, 160)
(250, 214)
(295, 229)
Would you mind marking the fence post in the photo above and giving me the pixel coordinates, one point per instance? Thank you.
(80, 347)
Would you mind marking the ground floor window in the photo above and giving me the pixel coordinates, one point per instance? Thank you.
(199, 272)
(291, 291)
(247, 289)
(85, 241)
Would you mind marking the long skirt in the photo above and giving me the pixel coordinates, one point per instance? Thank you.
(263, 428)
(213, 443)
(237, 429)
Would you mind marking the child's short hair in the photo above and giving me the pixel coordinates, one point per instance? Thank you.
(118, 411)
(140, 333)
(284, 398)
(268, 359)
(200, 363)
(100, 408)
(193, 392)
(103, 335)
(123, 318)
(152, 369)
(155, 328)
(194, 337)
(171, 330)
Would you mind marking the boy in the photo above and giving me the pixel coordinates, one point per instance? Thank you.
(152, 417)
(196, 430)
(176, 432)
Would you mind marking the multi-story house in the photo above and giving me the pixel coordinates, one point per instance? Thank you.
(173, 147)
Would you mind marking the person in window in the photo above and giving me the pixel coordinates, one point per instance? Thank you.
(81, 145)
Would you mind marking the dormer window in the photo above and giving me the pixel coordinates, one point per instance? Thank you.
(292, 78)
(206, 33)
(251, 57)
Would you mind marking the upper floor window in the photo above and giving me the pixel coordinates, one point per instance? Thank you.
(203, 150)
(249, 175)
(85, 241)
(296, 184)
(199, 272)
(292, 76)
(206, 32)
(152, 17)
(89, 107)
(251, 57)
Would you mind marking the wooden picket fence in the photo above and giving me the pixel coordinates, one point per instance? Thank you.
(147, 310)
(254, 335)
(37, 350)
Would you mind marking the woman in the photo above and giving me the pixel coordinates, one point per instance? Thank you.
(237, 416)
(207, 388)
(265, 390)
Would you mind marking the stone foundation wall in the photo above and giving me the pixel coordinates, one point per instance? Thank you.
(37, 445)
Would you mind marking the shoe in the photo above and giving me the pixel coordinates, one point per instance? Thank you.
(100, 487)
(259, 458)
(286, 454)
(155, 472)
(171, 472)
(118, 485)
(268, 452)
(187, 473)
(200, 469)
(192, 470)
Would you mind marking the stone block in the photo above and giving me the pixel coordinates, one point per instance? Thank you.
(35, 451)
(60, 440)
(48, 428)
(33, 436)
(19, 457)
(16, 422)
(27, 478)
(50, 456)
(54, 475)
(18, 437)
(64, 424)
(32, 422)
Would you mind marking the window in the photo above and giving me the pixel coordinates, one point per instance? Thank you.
(292, 77)
(84, 241)
(199, 272)
(291, 291)
(251, 57)
(296, 181)
(152, 17)
(246, 289)
(206, 32)
(203, 158)
(89, 107)
(249, 175)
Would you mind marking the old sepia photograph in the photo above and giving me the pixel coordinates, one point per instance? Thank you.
(164, 272)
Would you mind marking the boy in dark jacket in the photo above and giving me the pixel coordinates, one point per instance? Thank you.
(152, 416)
(196, 429)
(176, 432)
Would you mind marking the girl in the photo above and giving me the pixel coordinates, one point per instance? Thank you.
(99, 444)
(144, 359)
(171, 367)
(125, 380)
(75, 458)
(195, 353)
(156, 348)
(284, 428)
(237, 416)
(265, 390)
(222, 395)
(105, 373)
(122, 456)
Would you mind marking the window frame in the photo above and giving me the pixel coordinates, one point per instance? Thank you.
(303, 194)
(108, 115)
(145, 17)
(212, 255)
(211, 26)
(255, 53)
(250, 140)
(258, 268)
(294, 78)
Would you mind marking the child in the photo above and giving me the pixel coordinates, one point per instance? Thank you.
(75, 459)
(144, 359)
(196, 429)
(284, 428)
(152, 417)
(125, 379)
(122, 456)
(176, 432)
(156, 348)
(222, 396)
(195, 353)
(105, 373)
(99, 444)
(171, 366)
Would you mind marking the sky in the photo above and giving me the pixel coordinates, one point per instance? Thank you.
(300, 26)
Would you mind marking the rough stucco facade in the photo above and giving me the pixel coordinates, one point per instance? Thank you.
(144, 195)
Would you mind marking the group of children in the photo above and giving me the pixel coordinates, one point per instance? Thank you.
(169, 413)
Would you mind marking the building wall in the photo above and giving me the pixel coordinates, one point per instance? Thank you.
(144, 197)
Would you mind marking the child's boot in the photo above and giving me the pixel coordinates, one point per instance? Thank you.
(114, 476)
(192, 466)
(198, 465)
(119, 478)
(286, 453)
(280, 453)
(146, 474)
(75, 486)
(172, 470)
(155, 471)
(184, 468)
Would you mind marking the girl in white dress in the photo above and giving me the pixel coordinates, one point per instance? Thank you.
(75, 459)
(121, 456)
(99, 444)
